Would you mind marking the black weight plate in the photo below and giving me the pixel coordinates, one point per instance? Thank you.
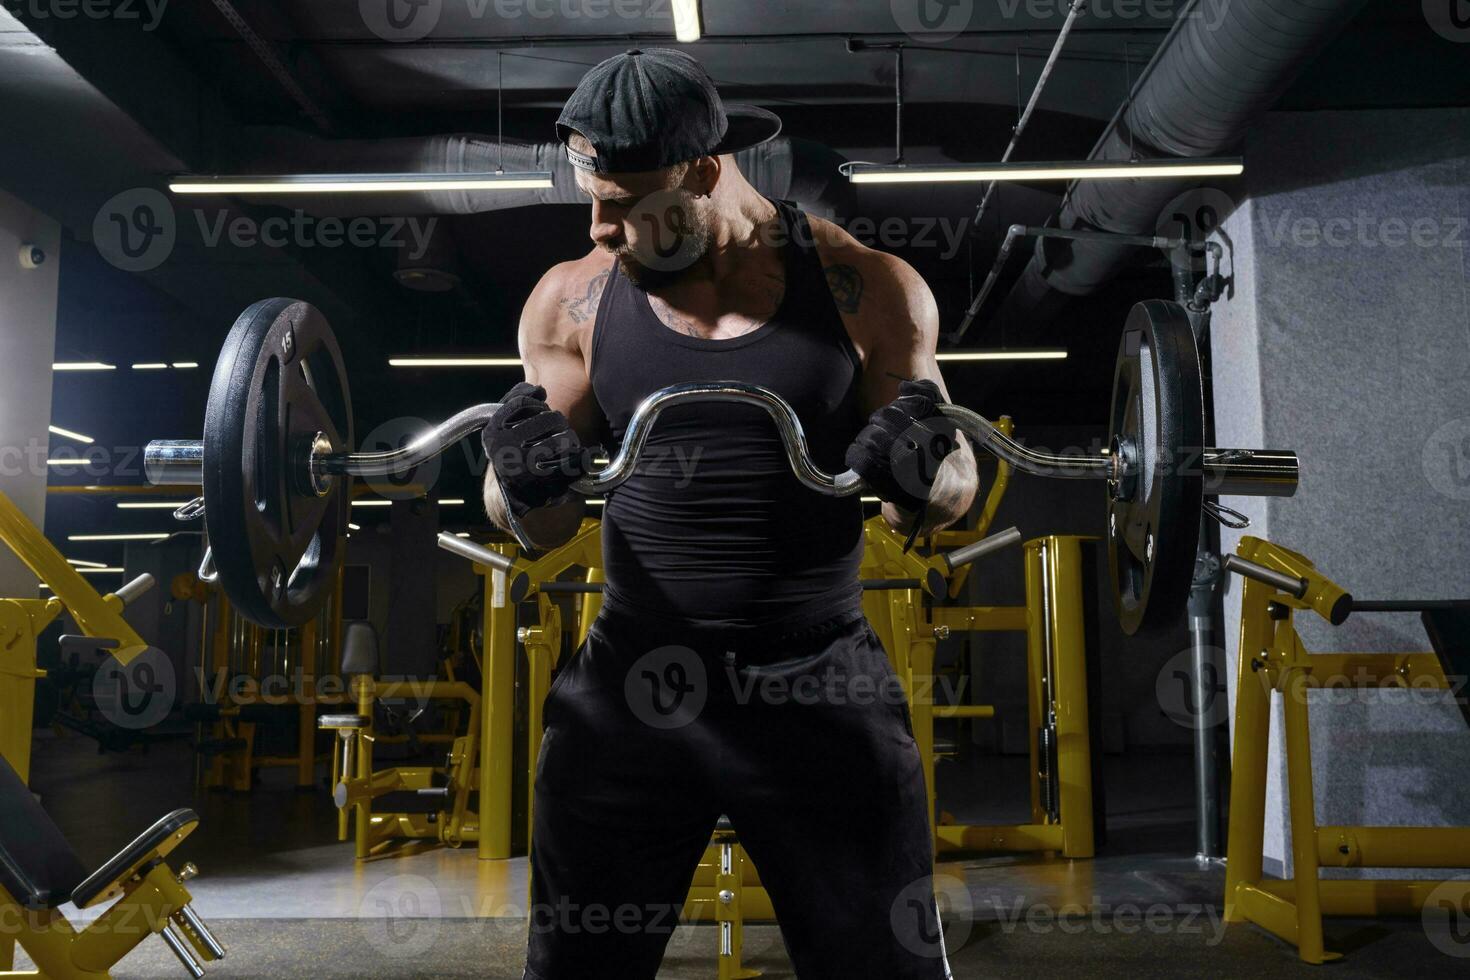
(1157, 413)
(279, 382)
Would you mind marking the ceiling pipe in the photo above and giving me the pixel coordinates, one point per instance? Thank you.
(1224, 64)
(784, 168)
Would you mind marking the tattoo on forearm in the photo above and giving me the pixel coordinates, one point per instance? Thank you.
(846, 284)
(583, 308)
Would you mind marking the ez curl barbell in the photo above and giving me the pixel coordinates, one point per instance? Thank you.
(276, 460)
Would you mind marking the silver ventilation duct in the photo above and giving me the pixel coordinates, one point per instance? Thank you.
(1225, 63)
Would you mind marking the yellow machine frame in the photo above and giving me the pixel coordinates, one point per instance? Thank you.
(1272, 658)
(1052, 620)
(51, 941)
(21, 620)
(149, 904)
(376, 834)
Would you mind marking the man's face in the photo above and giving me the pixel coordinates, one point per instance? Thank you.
(655, 224)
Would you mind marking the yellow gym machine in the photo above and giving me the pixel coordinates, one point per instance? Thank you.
(234, 702)
(22, 620)
(38, 869)
(910, 627)
(39, 872)
(1278, 584)
(507, 583)
(356, 784)
(1053, 621)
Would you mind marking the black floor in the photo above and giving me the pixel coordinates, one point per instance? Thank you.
(1141, 909)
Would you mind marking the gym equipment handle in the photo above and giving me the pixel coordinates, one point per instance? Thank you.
(131, 591)
(474, 552)
(1290, 584)
(1245, 472)
(971, 552)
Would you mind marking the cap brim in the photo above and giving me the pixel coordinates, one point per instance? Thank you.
(748, 126)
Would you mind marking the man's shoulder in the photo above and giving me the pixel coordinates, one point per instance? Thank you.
(565, 299)
(864, 279)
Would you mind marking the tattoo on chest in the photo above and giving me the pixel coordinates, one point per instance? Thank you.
(846, 285)
(765, 293)
(584, 307)
(676, 321)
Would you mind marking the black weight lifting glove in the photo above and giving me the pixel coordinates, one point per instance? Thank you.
(534, 450)
(899, 451)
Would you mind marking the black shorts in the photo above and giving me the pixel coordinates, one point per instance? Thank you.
(804, 743)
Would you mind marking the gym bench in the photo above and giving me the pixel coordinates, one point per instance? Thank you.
(39, 872)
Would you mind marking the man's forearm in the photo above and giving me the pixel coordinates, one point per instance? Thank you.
(547, 527)
(951, 498)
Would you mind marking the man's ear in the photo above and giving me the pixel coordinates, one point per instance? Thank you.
(704, 174)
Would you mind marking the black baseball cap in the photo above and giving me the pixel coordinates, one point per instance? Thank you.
(654, 107)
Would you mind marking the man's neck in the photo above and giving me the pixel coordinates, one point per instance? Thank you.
(741, 231)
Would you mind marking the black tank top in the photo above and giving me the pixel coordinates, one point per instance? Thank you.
(713, 529)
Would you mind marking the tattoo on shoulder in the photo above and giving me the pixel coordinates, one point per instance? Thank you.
(846, 285)
(584, 307)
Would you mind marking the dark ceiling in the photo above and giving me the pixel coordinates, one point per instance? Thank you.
(95, 106)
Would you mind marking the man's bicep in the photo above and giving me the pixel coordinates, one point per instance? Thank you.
(553, 359)
(904, 326)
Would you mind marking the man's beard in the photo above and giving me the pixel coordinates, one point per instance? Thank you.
(676, 259)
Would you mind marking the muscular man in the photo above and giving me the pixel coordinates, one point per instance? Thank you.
(731, 671)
